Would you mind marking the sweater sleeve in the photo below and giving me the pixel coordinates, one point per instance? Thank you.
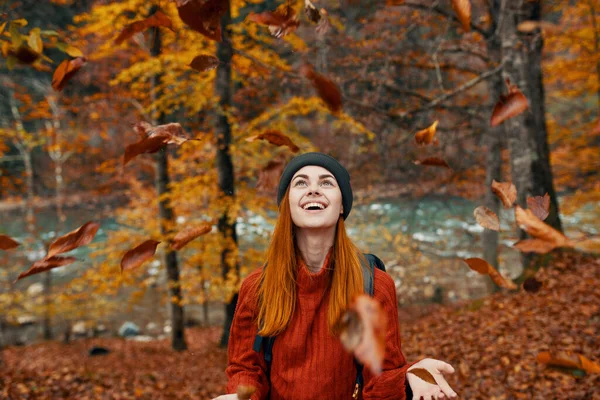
(391, 383)
(245, 366)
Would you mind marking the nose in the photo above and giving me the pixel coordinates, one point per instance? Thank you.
(313, 189)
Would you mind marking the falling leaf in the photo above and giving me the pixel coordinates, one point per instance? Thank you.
(142, 128)
(275, 137)
(203, 16)
(148, 145)
(81, 236)
(569, 360)
(537, 228)
(280, 22)
(24, 54)
(506, 192)
(46, 264)
(73, 51)
(187, 235)
(510, 105)
(324, 25)
(487, 218)
(65, 71)
(484, 268)
(245, 392)
(532, 285)
(7, 243)
(154, 138)
(268, 177)
(311, 12)
(426, 135)
(204, 62)
(539, 206)
(155, 20)
(423, 374)
(529, 26)
(363, 330)
(462, 8)
(35, 40)
(534, 246)
(328, 91)
(138, 255)
(433, 161)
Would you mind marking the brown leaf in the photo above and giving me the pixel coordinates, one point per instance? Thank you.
(532, 285)
(268, 177)
(65, 71)
(188, 234)
(483, 267)
(426, 135)
(138, 255)
(423, 374)
(46, 264)
(204, 62)
(506, 192)
(81, 236)
(433, 161)
(245, 392)
(154, 138)
(275, 137)
(363, 329)
(537, 228)
(280, 22)
(7, 243)
(203, 16)
(487, 218)
(539, 206)
(510, 105)
(142, 128)
(311, 11)
(24, 54)
(530, 26)
(534, 246)
(462, 8)
(328, 91)
(148, 145)
(156, 19)
(569, 360)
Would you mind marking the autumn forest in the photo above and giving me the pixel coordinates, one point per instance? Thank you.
(142, 141)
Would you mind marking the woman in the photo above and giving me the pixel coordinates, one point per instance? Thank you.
(313, 272)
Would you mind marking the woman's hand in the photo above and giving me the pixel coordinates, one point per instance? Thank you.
(227, 397)
(431, 391)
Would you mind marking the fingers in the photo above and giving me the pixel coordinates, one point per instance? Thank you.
(444, 367)
(446, 389)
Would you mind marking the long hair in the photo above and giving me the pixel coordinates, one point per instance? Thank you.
(277, 284)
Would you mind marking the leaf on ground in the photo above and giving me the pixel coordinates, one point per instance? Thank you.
(326, 88)
(7, 243)
(426, 135)
(462, 8)
(138, 255)
(532, 285)
(434, 162)
(276, 138)
(46, 264)
(487, 218)
(539, 206)
(568, 359)
(204, 62)
(203, 16)
(506, 192)
(188, 234)
(155, 20)
(65, 71)
(509, 105)
(81, 236)
(484, 268)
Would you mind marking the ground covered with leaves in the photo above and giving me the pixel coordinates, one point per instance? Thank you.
(493, 343)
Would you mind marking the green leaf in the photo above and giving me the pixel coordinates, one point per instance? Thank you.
(35, 41)
(61, 46)
(48, 33)
(11, 61)
(15, 35)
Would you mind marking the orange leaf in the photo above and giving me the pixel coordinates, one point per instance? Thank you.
(433, 161)
(506, 192)
(188, 234)
(138, 255)
(534, 246)
(280, 22)
(539, 206)
(423, 374)
(363, 329)
(65, 71)
(204, 62)
(510, 105)
(462, 8)
(245, 392)
(569, 360)
(268, 177)
(81, 236)
(537, 228)
(148, 145)
(203, 16)
(46, 264)
(7, 243)
(154, 138)
(426, 135)
(156, 19)
(328, 91)
(277, 138)
(487, 218)
(483, 267)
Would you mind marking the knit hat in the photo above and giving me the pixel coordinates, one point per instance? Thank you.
(322, 160)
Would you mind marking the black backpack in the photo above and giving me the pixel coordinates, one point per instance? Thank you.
(267, 341)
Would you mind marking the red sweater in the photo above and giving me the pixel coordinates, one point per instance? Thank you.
(308, 362)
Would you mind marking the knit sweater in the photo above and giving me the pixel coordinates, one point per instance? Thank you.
(309, 362)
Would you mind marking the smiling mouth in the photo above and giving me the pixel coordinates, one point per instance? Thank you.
(313, 206)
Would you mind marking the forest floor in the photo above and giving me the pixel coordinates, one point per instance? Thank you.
(492, 343)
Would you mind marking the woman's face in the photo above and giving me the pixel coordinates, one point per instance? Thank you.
(315, 198)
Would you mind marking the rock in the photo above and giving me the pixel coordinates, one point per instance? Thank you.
(129, 329)
(98, 351)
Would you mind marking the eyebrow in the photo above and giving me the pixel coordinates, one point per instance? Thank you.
(320, 176)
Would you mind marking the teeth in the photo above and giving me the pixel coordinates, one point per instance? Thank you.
(306, 206)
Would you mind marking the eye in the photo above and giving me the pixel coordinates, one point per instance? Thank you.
(328, 183)
(299, 182)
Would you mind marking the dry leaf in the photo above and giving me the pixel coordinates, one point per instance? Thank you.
(569, 360)
(311, 11)
(423, 374)
(324, 25)
(487, 218)
(7, 243)
(510, 105)
(462, 8)
(65, 71)
(203, 16)
(81, 236)
(483, 267)
(363, 330)
(537, 228)
(275, 137)
(138, 255)
(155, 20)
(24, 54)
(280, 22)
(245, 392)
(154, 138)
(148, 145)
(204, 63)
(506, 192)
(328, 91)
(46, 264)
(534, 246)
(268, 177)
(530, 26)
(433, 161)
(188, 234)
(532, 285)
(539, 206)
(426, 135)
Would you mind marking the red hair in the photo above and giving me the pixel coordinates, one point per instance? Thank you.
(277, 284)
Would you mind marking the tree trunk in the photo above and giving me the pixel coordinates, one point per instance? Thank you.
(224, 162)
(167, 219)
